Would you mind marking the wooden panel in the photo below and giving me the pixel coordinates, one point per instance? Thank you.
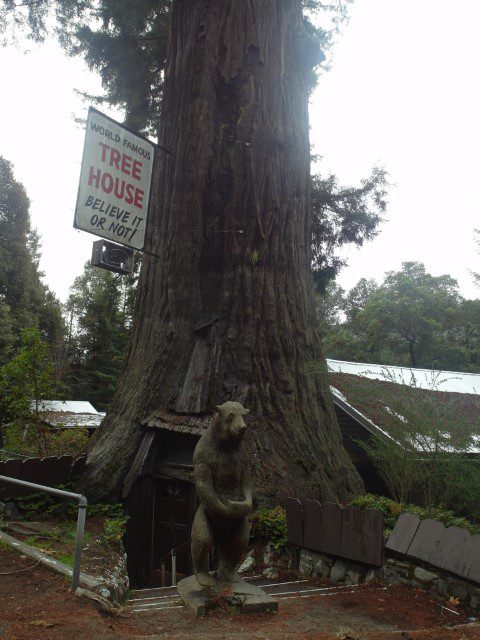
(31, 472)
(312, 518)
(371, 545)
(403, 533)
(294, 513)
(322, 527)
(172, 522)
(48, 473)
(346, 532)
(63, 469)
(139, 532)
(351, 532)
(426, 540)
(452, 550)
(472, 570)
(332, 518)
(12, 469)
(78, 467)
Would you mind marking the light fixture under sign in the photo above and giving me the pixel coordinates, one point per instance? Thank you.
(111, 256)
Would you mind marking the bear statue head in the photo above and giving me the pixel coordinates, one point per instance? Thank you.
(228, 422)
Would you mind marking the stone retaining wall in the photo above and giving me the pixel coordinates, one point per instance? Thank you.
(394, 571)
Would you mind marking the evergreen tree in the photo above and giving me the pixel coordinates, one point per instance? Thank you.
(411, 319)
(343, 216)
(476, 275)
(99, 311)
(26, 301)
(24, 382)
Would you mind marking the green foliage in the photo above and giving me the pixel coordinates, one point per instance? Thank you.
(25, 382)
(58, 442)
(423, 452)
(100, 307)
(63, 535)
(343, 216)
(476, 275)
(270, 526)
(42, 505)
(391, 511)
(126, 44)
(24, 300)
(114, 529)
(412, 319)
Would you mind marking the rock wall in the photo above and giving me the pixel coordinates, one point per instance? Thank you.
(394, 571)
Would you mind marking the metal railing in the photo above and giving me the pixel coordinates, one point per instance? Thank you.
(82, 509)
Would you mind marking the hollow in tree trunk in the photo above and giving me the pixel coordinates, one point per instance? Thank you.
(224, 308)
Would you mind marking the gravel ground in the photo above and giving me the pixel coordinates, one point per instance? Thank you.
(36, 604)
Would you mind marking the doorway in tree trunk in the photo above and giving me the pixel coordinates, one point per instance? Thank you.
(161, 505)
(172, 523)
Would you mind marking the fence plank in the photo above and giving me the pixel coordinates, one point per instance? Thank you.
(312, 522)
(293, 508)
(322, 527)
(13, 469)
(47, 471)
(346, 532)
(371, 546)
(32, 470)
(452, 550)
(473, 568)
(426, 539)
(79, 467)
(332, 522)
(63, 469)
(351, 532)
(403, 533)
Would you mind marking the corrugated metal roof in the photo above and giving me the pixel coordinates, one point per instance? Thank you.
(367, 400)
(64, 419)
(451, 381)
(68, 406)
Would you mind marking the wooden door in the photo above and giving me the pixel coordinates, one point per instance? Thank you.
(172, 521)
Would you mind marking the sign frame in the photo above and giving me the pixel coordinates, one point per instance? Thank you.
(148, 204)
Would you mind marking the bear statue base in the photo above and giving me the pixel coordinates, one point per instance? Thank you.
(246, 597)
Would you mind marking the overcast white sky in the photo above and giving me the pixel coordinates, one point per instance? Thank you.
(403, 93)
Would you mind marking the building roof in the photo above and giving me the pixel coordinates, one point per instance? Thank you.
(453, 381)
(387, 403)
(68, 406)
(193, 425)
(70, 413)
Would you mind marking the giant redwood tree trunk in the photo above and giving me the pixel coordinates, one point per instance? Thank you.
(225, 307)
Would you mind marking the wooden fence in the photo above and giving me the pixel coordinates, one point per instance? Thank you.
(50, 471)
(449, 548)
(347, 532)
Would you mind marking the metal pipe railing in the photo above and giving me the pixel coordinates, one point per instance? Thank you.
(82, 509)
(174, 568)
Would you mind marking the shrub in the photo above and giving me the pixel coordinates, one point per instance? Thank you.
(391, 511)
(113, 529)
(55, 442)
(42, 504)
(269, 525)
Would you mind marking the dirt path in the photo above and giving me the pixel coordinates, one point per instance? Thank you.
(36, 604)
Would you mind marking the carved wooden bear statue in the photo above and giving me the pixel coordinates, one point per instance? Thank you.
(221, 471)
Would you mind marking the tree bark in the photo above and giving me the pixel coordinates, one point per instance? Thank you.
(225, 309)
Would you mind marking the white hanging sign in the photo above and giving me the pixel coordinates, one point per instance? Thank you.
(115, 181)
